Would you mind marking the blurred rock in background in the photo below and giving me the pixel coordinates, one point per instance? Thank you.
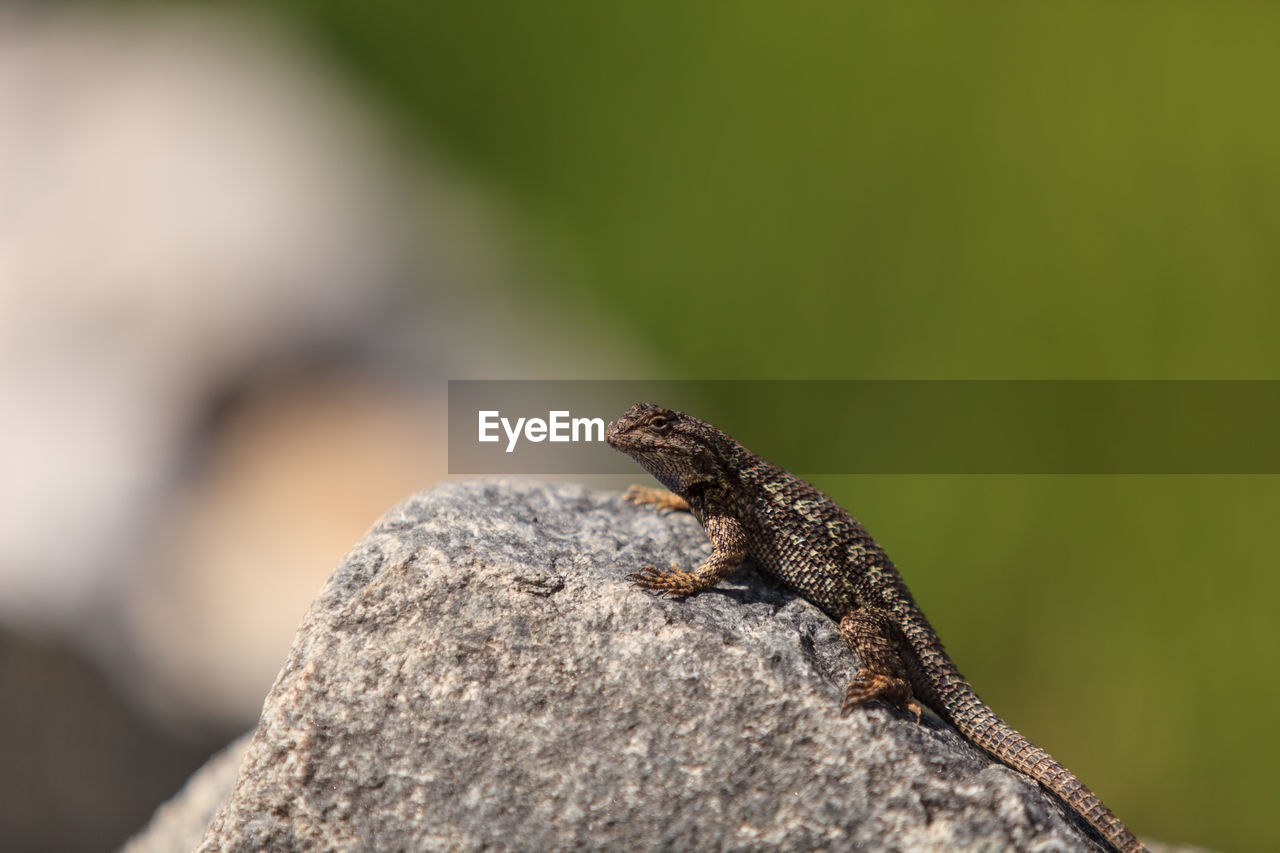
(227, 310)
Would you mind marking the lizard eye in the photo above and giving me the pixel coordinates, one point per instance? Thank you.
(658, 423)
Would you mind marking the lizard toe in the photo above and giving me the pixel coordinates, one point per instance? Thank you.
(868, 685)
(673, 581)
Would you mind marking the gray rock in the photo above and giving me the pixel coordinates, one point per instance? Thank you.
(478, 674)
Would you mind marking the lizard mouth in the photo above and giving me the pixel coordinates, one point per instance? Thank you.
(613, 433)
(617, 439)
(625, 441)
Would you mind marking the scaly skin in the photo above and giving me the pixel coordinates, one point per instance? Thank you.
(752, 508)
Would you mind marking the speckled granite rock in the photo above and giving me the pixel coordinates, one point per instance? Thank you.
(479, 675)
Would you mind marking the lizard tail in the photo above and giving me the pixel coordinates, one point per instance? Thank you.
(981, 726)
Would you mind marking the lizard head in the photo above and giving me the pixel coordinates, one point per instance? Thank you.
(677, 449)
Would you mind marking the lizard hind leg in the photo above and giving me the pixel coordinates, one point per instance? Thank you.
(880, 646)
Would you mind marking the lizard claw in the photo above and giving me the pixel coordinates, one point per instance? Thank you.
(673, 581)
(868, 685)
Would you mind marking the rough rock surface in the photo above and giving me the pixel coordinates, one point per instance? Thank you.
(478, 674)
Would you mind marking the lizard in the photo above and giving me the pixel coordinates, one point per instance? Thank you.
(751, 508)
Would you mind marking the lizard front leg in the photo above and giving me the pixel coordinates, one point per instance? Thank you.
(660, 499)
(728, 550)
(880, 645)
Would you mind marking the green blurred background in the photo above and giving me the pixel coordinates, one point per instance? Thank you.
(928, 190)
(766, 190)
(760, 190)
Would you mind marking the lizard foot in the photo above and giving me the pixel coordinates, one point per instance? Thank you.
(673, 581)
(660, 499)
(876, 685)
